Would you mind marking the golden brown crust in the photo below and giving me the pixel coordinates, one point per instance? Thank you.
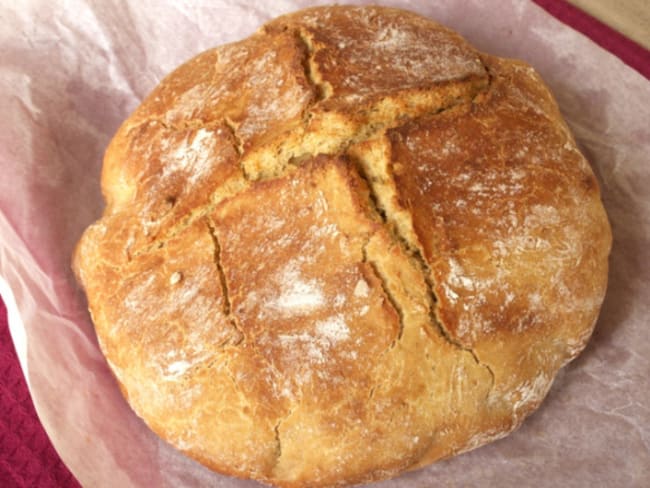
(347, 246)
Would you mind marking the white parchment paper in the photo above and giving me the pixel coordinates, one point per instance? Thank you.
(71, 71)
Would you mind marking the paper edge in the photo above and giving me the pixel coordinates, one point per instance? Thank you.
(16, 327)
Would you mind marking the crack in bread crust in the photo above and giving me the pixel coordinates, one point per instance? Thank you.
(239, 145)
(391, 298)
(227, 306)
(322, 90)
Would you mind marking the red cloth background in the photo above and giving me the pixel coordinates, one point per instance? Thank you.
(27, 458)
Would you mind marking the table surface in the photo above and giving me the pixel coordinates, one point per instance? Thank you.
(629, 17)
(27, 457)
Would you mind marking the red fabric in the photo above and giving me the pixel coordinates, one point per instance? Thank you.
(627, 50)
(27, 458)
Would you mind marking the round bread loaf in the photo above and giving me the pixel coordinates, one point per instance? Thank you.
(347, 246)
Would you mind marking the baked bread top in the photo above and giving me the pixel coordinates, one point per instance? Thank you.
(346, 246)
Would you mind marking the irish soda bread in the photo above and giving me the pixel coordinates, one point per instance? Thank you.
(347, 246)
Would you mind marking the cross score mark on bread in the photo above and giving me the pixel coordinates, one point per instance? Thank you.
(347, 246)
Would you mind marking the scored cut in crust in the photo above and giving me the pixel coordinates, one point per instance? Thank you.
(344, 247)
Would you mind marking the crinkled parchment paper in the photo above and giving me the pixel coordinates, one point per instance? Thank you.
(71, 71)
